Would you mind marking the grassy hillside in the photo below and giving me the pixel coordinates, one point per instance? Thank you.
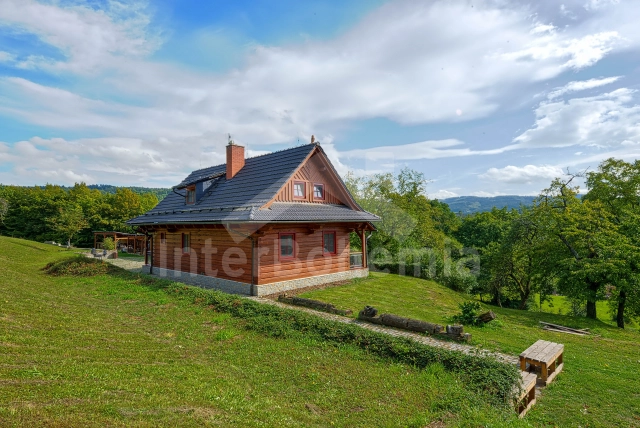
(599, 385)
(119, 350)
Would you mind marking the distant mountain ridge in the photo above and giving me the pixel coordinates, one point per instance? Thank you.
(474, 204)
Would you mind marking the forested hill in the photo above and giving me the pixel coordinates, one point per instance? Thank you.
(474, 204)
(160, 192)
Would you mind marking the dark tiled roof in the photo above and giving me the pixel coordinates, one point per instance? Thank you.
(280, 211)
(240, 199)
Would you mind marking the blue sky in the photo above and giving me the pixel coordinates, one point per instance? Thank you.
(484, 97)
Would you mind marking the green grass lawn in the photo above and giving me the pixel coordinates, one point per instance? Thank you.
(600, 384)
(111, 350)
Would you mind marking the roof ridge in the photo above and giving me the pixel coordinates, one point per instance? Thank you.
(257, 156)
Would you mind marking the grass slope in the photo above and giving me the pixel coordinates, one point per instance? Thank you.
(116, 350)
(599, 384)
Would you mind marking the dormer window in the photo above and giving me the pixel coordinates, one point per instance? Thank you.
(191, 195)
(299, 189)
(318, 191)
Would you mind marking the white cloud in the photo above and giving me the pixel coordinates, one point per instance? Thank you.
(606, 120)
(484, 194)
(88, 38)
(523, 175)
(408, 62)
(442, 194)
(594, 5)
(434, 149)
(581, 85)
(6, 56)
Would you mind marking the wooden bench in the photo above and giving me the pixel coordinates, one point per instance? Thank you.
(527, 396)
(546, 355)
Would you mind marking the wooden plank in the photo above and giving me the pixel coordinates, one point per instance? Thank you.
(551, 354)
(527, 397)
(540, 352)
(556, 330)
(533, 348)
(553, 375)
(561, 327)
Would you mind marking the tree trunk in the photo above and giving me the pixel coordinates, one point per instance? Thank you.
(591, 309)
(523, 301)
(524, 295)
(591, 300)
(622, 299)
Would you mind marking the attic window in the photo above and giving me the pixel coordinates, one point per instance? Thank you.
(191, 195)
(299, 189)
(318, 191)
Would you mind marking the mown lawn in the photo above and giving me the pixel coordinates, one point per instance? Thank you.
(600, 384)
(111, 350)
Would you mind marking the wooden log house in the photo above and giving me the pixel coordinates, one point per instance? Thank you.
(260, 225)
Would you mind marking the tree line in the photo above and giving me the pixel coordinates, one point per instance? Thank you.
(68, 214)
(585, 248)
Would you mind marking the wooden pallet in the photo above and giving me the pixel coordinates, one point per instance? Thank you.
(527, 397)
(548, 356)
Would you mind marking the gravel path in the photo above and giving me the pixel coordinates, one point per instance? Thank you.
(131, 265)
(427, 340)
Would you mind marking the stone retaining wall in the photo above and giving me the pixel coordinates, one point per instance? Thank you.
(235, 287)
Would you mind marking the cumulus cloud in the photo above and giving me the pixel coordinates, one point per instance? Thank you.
(523, 175)
(607, 120)
(408, 62)
(581, 85)
(442, 194)
(86, 37)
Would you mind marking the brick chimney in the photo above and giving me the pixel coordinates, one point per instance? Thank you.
(235, 159)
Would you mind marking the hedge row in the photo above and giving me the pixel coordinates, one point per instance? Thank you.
(483, 374)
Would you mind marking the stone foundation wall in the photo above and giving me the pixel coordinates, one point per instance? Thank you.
(282, 286)
(235, 287)
(202, 281)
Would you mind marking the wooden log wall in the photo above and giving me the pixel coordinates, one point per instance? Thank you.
(313, 171)
(213, 252)
(309, 259)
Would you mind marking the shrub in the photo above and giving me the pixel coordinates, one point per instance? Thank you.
(455, 273)
(108, 244)
(77, 266)
(486, 375)
(468, 313)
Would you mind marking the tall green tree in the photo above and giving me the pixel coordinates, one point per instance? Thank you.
(616, 184)
(69, 221)
(4, 207)
(586, 247)
(409, 218)
(517, 262)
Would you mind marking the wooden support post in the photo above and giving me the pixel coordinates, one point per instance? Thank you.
(365, 262)
(523, 364)
(95, 239)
